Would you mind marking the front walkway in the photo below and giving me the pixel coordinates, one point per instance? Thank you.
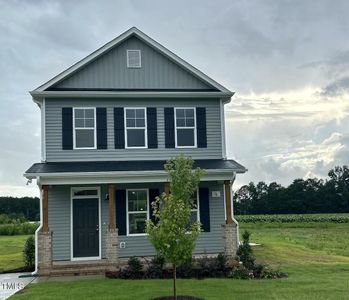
(11, 283)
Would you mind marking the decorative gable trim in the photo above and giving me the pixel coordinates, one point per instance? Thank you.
(136, 32)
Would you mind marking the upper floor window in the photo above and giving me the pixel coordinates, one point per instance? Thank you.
(185, 127)
(135, 127)
(84, 123)
(134, 59)
(137, 211)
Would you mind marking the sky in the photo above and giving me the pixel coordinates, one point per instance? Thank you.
(286, 61)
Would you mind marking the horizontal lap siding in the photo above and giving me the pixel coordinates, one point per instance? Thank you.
(110, 71)
(54, 150)
(59, 221)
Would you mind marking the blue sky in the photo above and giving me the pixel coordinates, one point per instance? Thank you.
(287, 61)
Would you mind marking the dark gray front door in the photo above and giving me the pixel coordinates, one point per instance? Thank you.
(85, 228)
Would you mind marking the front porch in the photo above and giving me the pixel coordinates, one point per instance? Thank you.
(116, 242)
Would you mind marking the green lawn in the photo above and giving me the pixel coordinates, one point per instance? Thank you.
(315, 256)
(11, 256)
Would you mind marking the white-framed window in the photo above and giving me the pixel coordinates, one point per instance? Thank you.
(137, 210)
(84, 128)
(195, 209)
(134, 59)
(136, 127)
(185, 124)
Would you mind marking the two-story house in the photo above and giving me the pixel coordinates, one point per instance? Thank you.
(109, 123)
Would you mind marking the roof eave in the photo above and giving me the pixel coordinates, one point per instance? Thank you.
(39, 95)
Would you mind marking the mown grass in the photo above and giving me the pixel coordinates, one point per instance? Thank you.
(315, 256)
(11, 255)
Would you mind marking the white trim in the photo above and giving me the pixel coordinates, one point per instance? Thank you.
(90, 128)
(72, 258)
(197, 209)
(127, 212)
(181, 127)
(43, 130)
(140, 58)
(120, 177)
(37, 95)
(146, 39)
(224, 149)
(145, 128)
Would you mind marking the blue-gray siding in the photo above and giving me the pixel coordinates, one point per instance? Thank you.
(60, 223)
(53, 120)
(110, 71)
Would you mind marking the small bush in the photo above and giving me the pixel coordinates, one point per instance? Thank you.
(155, 268)
(240, 273)
(244, 252)
(185, 269)
(133, 270)
(29, 253)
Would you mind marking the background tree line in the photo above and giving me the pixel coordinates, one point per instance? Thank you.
(27, 207)
(301, 196)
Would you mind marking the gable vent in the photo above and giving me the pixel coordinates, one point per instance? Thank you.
(134, 59)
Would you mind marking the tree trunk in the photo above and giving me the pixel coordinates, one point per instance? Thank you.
(174, 282)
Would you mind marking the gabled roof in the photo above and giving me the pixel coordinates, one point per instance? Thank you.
(220, 90)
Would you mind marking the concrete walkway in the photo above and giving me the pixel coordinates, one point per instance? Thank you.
(10, 283)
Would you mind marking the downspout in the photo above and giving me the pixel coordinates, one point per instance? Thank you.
(37, 232)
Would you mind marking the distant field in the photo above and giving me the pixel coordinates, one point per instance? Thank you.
(11, 248)
(294, 218)
(314, 254)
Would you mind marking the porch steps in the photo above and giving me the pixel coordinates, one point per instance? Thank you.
(79, 268)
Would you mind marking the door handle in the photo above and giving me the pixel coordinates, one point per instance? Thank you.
(97, 228)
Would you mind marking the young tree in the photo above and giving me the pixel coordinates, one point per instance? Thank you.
(172, 234)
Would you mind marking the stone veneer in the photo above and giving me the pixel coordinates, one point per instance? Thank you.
(44, 252)
(111, 251)
(230, 239)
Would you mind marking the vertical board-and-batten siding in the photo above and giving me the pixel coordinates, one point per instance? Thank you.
(53, 128)
(60, 221)
(110, 71)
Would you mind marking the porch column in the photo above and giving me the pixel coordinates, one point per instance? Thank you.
(44, 237)
(111, 241)
(167, 188)
(230, 234)
(227, 189)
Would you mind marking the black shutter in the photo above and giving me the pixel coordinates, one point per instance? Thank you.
(119, 131)
(169, 127)
(153, 193)
(120, 207)
(204, 207)
(152, 127)
(101, 128)
(201, 127)
(67, 128)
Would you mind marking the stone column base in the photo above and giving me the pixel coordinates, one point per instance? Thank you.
(44, 252)
(111, 251)
(230, 239)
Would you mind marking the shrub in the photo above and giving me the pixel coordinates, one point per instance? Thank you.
(240, 273)
(133, 270)
(155, 268)
(29, 253)
(184, 270)
(244, 252)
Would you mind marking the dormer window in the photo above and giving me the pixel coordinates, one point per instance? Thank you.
(134, 59)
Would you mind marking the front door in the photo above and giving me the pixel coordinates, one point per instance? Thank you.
(85, 228)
